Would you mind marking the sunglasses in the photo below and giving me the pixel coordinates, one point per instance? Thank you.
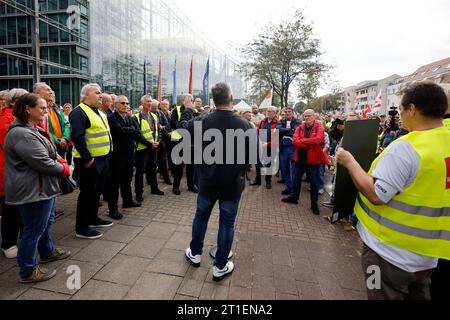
(125, 103)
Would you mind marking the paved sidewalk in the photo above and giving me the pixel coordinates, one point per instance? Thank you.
(281, 252)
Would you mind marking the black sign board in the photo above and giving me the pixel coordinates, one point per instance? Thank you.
(360, 139)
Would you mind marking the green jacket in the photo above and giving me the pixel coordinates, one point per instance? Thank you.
(65, 127)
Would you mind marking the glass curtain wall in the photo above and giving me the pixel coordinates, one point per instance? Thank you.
(68, 50)
(125, 33)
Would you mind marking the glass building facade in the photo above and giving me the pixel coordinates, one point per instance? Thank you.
(112, 43)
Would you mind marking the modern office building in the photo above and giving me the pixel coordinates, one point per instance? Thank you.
(65, 52)
(111, 42)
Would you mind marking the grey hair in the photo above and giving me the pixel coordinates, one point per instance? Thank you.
(4, 93)
(37, 86)
(165, 101)
(87, 89)
(145, 98)
(106, 97)
(188, 95)
(272, 108)
(118, 99)
(155, 103)
(15, 94)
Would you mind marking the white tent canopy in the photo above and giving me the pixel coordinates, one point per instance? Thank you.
(242, 106)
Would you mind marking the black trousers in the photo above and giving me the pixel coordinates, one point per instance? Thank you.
(11, 225)
(141, 159)
(178, 175)
(440, 281)
(150, 169)
(91, 181)
(258, 174)
(69, 157)
(121, 175)
(162, 159)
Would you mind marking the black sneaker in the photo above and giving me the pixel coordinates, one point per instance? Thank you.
(255, 183)
(176, 191)
(158, 192)
(131, 205)
(100, 223)
(286, 192)
(290, 200)
(116, 215)
(91, 234)
(268, 186)
(139, 198)
(194, 189)
(315, 210)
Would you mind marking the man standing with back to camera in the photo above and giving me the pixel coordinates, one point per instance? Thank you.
(218, 182)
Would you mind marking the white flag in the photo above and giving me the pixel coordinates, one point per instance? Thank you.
(378, 102)
(268, 100)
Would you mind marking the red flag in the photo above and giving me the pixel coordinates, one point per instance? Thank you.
(190, 78)
(367, 111)
(159, 82)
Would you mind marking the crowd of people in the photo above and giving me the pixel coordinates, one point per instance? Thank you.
(103, 145)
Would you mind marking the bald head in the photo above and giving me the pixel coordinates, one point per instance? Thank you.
(308, 117)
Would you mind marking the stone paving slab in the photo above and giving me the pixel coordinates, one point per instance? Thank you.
(101, 290)
(281, 252)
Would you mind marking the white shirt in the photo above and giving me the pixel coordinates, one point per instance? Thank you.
(288, 124)
(257, 117)
(396, 171)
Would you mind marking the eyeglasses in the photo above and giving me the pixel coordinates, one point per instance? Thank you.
(125, 103)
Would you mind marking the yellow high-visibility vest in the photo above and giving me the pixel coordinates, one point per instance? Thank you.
(98, 136)
(418, 219)
(146, 130)
(447, 123)
(176, 136)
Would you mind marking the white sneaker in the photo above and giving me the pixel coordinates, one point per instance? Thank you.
(220, 274)
(10, 253)
(194, 260)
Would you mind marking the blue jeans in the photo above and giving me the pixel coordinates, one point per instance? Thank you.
(287, 166)
(37, 219)
(312, 172)
(227, 218)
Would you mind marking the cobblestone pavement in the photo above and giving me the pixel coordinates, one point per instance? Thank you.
(281, 252)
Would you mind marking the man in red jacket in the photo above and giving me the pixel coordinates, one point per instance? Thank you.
(308, 140)
(269, 124)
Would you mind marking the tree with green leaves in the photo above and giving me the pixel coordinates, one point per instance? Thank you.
(283, 54)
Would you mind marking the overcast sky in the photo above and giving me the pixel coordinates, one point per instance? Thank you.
(365, 40)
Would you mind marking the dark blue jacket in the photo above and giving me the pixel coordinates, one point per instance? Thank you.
(286, 133)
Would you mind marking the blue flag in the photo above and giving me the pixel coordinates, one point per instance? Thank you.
(174, 75)
(145, 77)
(206, 85)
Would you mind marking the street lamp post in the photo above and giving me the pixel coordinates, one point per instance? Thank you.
(36, 43)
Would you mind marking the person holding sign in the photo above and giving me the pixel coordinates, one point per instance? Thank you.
(404, 200)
